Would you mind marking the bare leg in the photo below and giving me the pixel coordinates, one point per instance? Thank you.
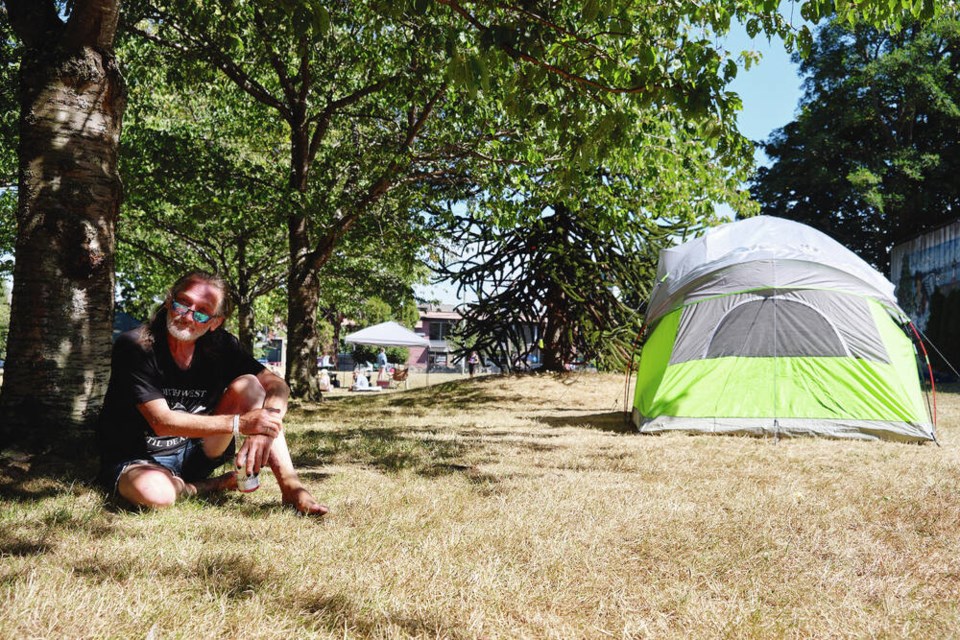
(291, 488)
(245, 394)
(153, 486)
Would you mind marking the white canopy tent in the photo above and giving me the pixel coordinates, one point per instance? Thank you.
(387, 334)
(390, 334)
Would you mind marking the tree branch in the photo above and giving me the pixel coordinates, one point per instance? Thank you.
(216, 58)
(34, 21)
(92, 23)
(326, 116)
(517, 54)
(536, 17)
(278, 67)
(324, 249)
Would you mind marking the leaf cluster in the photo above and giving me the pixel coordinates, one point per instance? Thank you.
(871, 157)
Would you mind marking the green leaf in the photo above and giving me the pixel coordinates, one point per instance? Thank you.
(647, 56)
(590, 10)
(321, 22)
(729, 71)
(481, 74)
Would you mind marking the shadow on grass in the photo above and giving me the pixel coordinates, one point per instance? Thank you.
(100, 570)
(231, 575)
(388, 451)
(613, 422)
(28, 475)
(16, 546)
(341, 614)
(384, 449)
(38, 533)
(455, 394)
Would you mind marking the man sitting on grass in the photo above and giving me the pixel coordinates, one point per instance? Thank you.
(181, 390)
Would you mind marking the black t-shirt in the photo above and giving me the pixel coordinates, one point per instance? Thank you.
(144, 370)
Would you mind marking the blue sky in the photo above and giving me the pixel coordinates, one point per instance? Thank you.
(770, 90)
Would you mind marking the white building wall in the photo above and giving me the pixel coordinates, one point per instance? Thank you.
(921, 266)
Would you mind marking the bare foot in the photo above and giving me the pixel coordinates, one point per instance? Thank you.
(302, 501)
(226, 482)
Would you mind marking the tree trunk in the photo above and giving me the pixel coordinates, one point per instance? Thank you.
(246, 329)
(554, 351)
(303, 294)
(302, 341)
(58, 359)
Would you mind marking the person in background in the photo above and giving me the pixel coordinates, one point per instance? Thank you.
(181, 391)
(472, 362)
(360, 381)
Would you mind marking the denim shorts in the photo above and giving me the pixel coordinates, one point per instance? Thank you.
(188, 462)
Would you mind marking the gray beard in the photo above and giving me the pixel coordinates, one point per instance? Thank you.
(183, 335)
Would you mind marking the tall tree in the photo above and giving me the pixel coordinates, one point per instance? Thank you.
(330, 75)
(560, 258)
(551, 284)
(72, 99)
(872, 158)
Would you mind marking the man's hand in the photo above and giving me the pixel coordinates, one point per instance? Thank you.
(254, 453)
(260, 426)
(261, 422)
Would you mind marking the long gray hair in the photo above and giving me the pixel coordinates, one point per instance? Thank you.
(226, 302)
(158, 321)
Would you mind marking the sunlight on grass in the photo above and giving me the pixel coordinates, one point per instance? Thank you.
(507, 507)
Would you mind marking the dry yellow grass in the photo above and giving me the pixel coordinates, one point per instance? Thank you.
(509, 508)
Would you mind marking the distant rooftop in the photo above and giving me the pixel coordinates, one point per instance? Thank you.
(438, 310)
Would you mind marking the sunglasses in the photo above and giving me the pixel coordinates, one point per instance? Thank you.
(198, 316)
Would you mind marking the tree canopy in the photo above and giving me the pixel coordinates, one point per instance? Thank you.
(379, 97)
(873, 156)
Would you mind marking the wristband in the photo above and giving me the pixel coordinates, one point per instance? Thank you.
(236, 425)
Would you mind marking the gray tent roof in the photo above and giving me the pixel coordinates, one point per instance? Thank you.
(783, 254)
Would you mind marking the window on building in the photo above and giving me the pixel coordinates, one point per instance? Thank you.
(440, 329)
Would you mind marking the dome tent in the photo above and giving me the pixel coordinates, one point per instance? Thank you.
(766, 326)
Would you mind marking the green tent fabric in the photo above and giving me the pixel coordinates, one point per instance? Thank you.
(768, 327)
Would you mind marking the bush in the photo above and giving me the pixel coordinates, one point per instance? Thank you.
(363, 353)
